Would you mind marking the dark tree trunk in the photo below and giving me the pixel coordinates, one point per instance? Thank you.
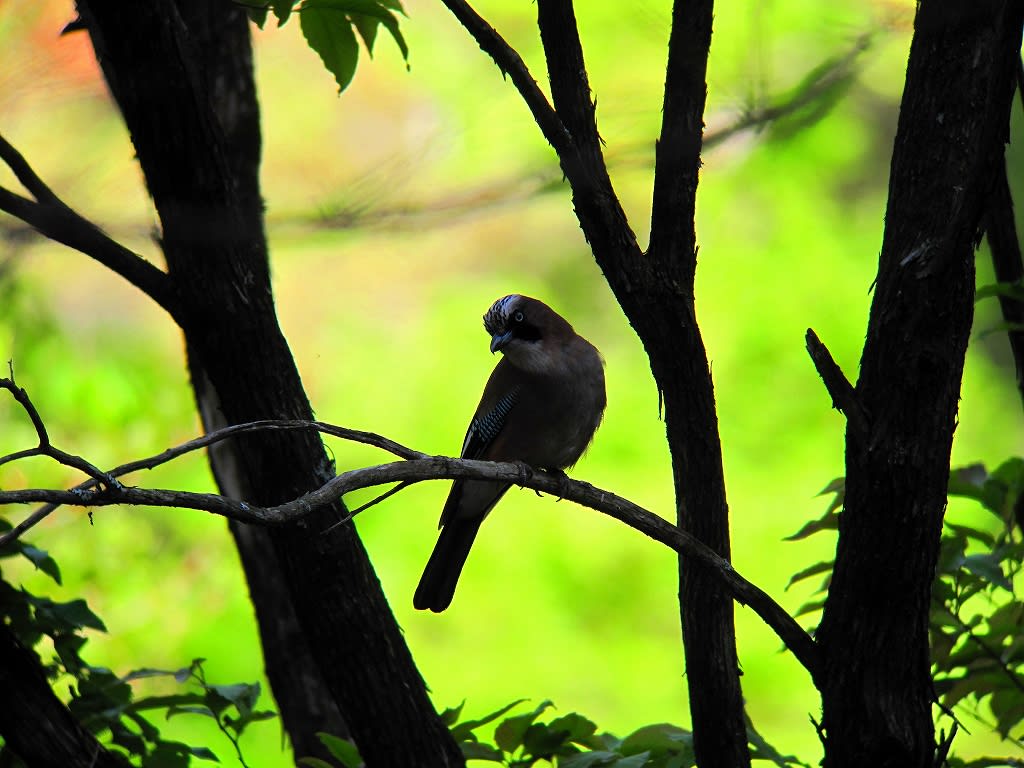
(197, 140)
(655, 289)
(876, 688)
(35, 724)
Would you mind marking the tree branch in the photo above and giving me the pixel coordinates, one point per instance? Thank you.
(415, 467)
(511, 64)
(678, 150)
(51, 217)
(844, 397)
(567, 70)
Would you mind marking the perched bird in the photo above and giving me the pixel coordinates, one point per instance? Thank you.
(541, 405)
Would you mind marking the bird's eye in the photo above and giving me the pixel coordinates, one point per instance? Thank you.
(518, 316)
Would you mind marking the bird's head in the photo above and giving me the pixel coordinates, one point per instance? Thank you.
(527, 331)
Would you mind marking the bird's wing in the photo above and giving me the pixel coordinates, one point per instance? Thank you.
(474, 498)
(486, 426)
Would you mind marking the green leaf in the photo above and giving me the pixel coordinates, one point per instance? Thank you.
(836, 485)
(67, 647)
(474, 750)
(510, 732)
(762, 750)
(242, 695)
(968, 532)
(827, 522)
(203, 754)
(69, 617)
(451, 715)
(1001, 328)
(365, 16)
(282, 10)
(190, 710)
(366, 26)
(1008, 708)
(42, 560)
(638, 760)
(822, 567)
(314, 762)
(809, 607)
(1009, 290)
(168, 754)
(988, 568)
(258, 14)
(185, 673)
(329, 33)
(342, 750)
(597, 759)
(574, 725)
(462, 730)
(542, 741)
(659, 740)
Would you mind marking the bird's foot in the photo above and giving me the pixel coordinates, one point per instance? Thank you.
(563, 482)
(524, 469)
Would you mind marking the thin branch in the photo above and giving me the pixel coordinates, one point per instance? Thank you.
(679, 146)
(441, 468)
(511, 64)
(844, 397)
(106, 491)
(151, 462)
(49, 215)
(45, 448)
(567, 70)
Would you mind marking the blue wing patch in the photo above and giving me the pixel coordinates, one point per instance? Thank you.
(483, 429)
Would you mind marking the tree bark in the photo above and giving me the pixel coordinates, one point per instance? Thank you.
(201, 169)
(36, 725)
(876, 687)
(655, 290)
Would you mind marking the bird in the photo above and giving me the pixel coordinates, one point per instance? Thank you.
(541, 406)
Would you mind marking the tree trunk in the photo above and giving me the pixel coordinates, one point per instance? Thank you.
(655, 290)
(876, 688)
(204, 188)
(35, 724)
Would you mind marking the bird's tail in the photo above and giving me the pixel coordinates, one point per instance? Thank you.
(437, 584)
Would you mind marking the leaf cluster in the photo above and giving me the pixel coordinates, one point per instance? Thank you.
(331, 26)
(106, 703)
(977, 619)
(568, 741)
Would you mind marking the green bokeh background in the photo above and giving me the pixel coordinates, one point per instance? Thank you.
(397, 213)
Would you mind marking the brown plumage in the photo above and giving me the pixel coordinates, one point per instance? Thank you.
(541, 405)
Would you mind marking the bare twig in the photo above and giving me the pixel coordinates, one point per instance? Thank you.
(48, 214)
(415, 467)
(45, 448)
(151, 462)
(844, 397)
(511, 64)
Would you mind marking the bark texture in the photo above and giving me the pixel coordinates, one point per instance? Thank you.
(655, 289)
(36, 725)
(876, 685)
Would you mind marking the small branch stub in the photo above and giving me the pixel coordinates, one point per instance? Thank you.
(844, 396)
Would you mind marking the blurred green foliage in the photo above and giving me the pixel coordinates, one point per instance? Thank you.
(396, 215)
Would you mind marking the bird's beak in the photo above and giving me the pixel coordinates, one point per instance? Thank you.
(499, 340)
